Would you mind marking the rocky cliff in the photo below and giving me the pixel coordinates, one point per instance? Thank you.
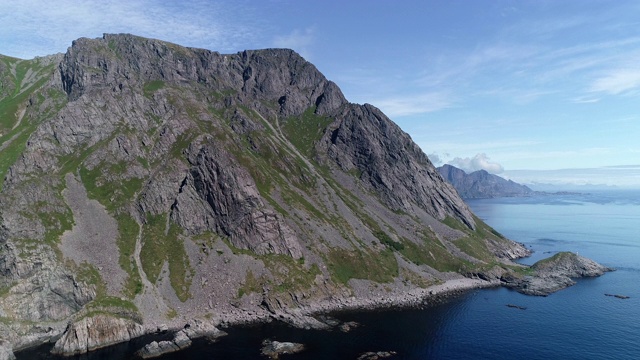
(482, 185)
(145, 184)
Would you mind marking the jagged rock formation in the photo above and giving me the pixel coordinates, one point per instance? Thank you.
(482, 185)
(231, 187)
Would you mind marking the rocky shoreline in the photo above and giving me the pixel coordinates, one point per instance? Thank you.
(548, 276)
(306, 317)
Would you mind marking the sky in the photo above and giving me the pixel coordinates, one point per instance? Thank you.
(535, 91)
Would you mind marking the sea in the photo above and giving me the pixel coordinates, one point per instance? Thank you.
(579, 322)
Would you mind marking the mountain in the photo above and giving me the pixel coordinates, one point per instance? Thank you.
(146, 186)
(482, 185)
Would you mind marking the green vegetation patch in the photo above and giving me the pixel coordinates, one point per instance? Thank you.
(128, 230)
(474, 243)
(55, 221)
(151, 87)
(89, 274)
(112, 194)
(386, 240)
(9, 155)
(251, 284)
(103, 304)
(375, 266)
(160, 245)
(10, 105)
(288, 274)
(476, 247)
(306, 130)
(432, 253)
(455, 224)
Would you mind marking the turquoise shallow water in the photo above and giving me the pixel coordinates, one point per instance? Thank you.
(575, 323)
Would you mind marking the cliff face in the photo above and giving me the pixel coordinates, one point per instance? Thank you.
(482, 185)
(156, 183)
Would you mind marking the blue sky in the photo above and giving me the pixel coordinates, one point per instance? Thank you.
(525, 89)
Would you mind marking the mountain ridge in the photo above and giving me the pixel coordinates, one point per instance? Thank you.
(481, 184)
(229, 188)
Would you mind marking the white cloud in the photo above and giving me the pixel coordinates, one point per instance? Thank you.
(617, 81)
(435, 159)
(478, 162)
(298, 40)
(585, 100)
(417, 104)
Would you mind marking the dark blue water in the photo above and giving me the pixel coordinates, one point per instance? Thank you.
(575, 323)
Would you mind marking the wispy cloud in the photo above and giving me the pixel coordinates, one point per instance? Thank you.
(416, 104)
(617, 81)
(585, 100)
(202, 23)
(622, 175)
(478, 162)
(298, 40)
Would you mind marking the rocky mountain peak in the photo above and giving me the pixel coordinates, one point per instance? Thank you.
(157, 183)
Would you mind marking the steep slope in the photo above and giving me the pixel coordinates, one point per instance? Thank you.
(482, 185)
(224, 187)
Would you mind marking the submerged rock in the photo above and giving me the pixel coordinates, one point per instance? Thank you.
(348, 326)
(517, 307)
(618, 296)
(273, 349)
(376, 355)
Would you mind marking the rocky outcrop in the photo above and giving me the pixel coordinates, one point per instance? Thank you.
(555, 273)
(482, 185)
(96, 332)
(182, 339)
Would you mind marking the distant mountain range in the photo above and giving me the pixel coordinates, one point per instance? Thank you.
(482, 185)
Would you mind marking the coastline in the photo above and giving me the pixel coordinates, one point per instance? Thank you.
(305, 317)
(551, 275)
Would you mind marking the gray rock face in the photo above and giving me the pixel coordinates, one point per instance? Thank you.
(366, 142)
(96, 332)
(225, 200)
(482, 185)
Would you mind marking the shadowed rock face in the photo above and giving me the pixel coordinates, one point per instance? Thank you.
(240, 185)
(390, 163)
